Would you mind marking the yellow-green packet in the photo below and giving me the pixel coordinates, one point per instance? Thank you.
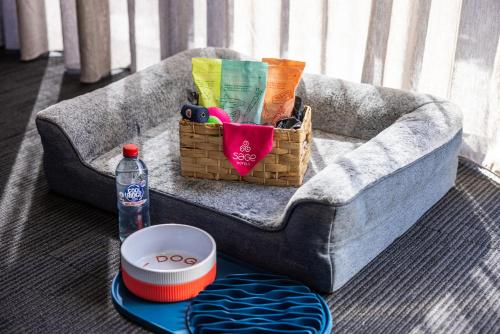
(207, 77)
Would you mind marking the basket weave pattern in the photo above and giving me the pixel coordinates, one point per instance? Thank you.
(202, 154)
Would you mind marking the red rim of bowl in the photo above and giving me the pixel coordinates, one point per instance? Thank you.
(168, 293)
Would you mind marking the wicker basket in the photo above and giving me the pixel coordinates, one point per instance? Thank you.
(202, 154)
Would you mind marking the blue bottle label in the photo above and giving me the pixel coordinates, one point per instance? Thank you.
(133, 194)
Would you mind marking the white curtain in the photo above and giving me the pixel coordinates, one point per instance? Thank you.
(448, 48)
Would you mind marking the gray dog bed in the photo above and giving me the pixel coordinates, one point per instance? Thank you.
(381, 158)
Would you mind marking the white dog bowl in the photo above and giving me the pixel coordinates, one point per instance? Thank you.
(168, 262)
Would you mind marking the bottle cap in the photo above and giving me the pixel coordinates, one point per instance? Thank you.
(130, 151)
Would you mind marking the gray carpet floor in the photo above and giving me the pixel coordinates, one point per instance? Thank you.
(58, 256)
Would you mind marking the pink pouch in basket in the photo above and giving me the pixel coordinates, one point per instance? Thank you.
(246, 144)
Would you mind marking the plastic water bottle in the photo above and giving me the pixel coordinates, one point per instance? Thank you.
(132, 192)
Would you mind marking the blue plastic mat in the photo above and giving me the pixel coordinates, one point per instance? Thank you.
(171, 317)
(258, 304)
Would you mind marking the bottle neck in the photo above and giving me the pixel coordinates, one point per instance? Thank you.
(131, 158)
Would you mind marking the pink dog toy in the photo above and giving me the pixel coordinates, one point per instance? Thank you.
(220, 114)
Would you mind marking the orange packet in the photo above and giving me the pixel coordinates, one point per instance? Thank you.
(283, 77)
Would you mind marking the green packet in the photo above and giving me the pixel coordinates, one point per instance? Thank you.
(236, 86)
(243, 86)
(207, 80)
